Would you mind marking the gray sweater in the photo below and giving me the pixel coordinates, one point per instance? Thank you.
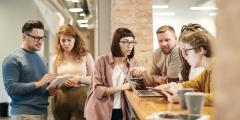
(20, 70)
(166, 64)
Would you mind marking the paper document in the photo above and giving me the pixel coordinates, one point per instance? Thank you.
(58, 81)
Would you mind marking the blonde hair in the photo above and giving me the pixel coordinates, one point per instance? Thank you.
(165, 28)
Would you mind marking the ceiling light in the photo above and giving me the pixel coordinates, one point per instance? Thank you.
(75, 1)
(160, 6)
(212, 14)
(82, 14)
(75, 9)
(83, 25)
(82, 21)
(203, 8)
(164, 14)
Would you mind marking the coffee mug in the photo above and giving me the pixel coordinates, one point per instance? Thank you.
(195, 102)
(181, 95)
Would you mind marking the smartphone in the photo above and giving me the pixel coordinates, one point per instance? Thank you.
(169, 80)
(140, 85)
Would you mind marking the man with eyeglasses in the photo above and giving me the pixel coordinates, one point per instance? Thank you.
(25, 75)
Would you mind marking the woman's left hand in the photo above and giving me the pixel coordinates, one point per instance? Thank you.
(72, 82)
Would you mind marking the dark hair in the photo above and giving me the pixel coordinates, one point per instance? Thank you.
(118, 34)
(185, 67)
(31, 24)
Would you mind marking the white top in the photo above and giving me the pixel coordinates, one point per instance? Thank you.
(72, 67)
(195, 72)
(117, 80)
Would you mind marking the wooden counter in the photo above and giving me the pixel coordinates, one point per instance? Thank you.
(143, 107)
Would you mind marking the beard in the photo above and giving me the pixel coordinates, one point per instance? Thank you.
(166, 50)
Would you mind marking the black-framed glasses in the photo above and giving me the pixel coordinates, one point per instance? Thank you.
(36, 38)
(185, 51)
(126, 42)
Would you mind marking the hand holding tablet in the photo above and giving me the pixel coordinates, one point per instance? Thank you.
(58, 81)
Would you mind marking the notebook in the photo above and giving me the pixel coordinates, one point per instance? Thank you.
(144, 92)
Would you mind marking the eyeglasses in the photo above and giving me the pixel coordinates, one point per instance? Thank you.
(36, 38)
(185, 51)
(125, 42)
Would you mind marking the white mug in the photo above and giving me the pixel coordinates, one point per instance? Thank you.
(195, 102)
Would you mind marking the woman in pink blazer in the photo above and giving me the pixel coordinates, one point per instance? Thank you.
(106, 100)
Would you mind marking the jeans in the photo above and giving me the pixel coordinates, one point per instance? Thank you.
(29, 117)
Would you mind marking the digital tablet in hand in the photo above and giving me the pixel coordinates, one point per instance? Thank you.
(58, 81)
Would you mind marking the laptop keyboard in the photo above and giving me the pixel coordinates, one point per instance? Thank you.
(145, 92)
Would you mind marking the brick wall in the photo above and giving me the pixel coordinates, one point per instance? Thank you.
(137, 16)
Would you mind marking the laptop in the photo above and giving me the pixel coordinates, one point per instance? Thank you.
(141, 90)
(147, 93)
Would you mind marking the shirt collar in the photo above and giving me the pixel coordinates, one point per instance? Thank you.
(111, 59)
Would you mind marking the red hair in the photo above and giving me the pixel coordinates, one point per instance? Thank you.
(79, 50)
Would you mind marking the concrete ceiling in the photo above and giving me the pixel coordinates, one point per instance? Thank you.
(87, 5)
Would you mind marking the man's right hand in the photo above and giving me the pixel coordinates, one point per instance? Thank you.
(137, 71)
(47, 78)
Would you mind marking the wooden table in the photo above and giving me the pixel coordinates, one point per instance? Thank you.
(143, 107)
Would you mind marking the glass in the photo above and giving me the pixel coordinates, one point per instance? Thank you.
(185, 51)
(36, 38)
(129, 42)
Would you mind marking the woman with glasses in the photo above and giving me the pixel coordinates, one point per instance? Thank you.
(197, 46)
(106, 99)
(73, 59)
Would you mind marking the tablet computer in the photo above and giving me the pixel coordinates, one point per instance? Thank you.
(58, 81)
